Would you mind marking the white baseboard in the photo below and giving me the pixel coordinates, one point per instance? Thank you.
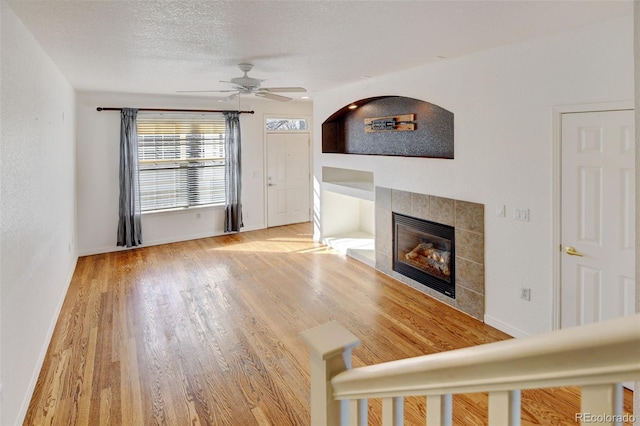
(504, 327)
(157, 242)
(253, 228)
(45, 347)
(100, 250)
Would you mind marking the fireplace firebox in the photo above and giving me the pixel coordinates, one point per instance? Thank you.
(425, 252)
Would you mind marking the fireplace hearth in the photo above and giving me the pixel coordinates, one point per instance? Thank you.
(425, 252)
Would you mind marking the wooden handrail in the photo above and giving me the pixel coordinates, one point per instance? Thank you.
(605, 352)
(597, 357)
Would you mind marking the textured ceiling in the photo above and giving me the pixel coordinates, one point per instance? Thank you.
(167, 46)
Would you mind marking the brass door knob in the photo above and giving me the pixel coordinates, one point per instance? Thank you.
(571, 251)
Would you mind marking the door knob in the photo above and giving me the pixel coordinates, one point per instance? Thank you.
(571, 251)
(272, 184)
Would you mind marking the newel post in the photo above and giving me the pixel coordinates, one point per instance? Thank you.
(330, 346)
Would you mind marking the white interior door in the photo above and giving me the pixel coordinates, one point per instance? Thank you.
(598, 217)
(287, 178)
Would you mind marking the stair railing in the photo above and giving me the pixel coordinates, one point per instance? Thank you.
(597, 357)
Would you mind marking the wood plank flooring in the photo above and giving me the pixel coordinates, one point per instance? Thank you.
(206, 332)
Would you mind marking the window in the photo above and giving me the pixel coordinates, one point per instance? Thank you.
(286, 124)
(182, 160)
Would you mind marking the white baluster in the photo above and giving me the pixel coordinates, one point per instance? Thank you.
(393, 411)
(504, 408)
(439, 410)
(358, 412)
(601, 402)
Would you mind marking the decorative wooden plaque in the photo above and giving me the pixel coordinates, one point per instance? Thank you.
(393, 123)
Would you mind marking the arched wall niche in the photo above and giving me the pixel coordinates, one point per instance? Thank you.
(345, 131)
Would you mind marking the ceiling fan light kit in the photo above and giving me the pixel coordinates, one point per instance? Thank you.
(246, 85)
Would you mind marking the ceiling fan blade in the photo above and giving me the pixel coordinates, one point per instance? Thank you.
(272, 96)
(283, 89)
(205, 91)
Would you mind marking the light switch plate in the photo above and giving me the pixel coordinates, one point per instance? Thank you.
(521, 214)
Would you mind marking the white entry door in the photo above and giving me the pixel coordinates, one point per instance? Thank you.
(598, 217)
(287, 178)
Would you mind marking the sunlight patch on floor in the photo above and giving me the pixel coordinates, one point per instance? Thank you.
(293, 245)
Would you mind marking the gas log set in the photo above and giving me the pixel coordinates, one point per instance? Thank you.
(434, 261)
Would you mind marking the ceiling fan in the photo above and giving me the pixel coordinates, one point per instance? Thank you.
(248, 85)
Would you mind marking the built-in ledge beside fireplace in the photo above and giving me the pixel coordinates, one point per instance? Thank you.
(464, 219)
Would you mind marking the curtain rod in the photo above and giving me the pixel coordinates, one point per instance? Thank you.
(175, 110)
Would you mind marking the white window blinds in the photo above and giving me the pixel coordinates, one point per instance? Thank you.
(182, 160)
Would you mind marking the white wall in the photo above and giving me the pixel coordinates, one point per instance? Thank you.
(98, 138)
(503, 101)
(37, 202)
(636, 55)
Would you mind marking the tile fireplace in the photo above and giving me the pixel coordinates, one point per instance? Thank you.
(467, 262)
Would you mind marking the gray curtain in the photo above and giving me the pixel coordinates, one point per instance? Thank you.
(233, 184)
(129, 224)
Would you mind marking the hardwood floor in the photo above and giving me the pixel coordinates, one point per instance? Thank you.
(207, 332)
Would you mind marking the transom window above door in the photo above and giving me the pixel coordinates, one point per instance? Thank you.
(286, 124)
